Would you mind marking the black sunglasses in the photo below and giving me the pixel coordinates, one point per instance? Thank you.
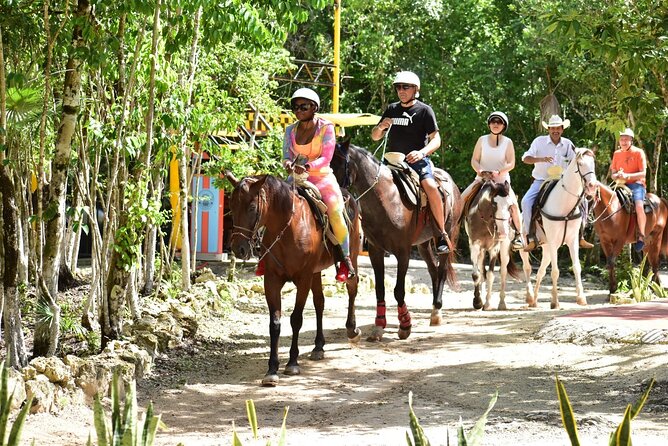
(403, 86)
(495, 121)
(301, 107)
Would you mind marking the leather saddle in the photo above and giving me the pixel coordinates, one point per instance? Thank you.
(312, 195)
(408, 182)
(536, 217)
(625, 197)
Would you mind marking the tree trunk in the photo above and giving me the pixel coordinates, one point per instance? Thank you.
(55, 213)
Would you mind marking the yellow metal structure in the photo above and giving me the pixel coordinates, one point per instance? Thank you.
(337, 62)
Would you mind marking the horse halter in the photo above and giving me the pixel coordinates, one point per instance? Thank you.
(252, 237)
(583, 176)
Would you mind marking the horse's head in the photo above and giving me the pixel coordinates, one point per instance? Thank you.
(340, 163)
(246, 204)
(586, 165)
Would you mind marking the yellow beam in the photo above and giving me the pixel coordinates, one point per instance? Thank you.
(337, 47)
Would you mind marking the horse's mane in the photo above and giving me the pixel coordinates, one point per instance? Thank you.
(280, 191)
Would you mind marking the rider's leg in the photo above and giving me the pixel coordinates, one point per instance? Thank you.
(331, 195)
(465, 194)
(584, 210)
(527, 208)
(436, 206)
(642, 220)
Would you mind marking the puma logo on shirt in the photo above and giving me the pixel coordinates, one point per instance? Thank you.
(404, 121)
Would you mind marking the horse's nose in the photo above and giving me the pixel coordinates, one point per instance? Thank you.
(241, 251)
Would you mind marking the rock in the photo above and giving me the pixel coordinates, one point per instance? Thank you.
(16, 384)
(53, 368)
(42, 391)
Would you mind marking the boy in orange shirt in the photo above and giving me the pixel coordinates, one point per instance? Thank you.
(629, 164)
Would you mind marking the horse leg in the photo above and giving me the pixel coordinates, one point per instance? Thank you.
(526, 267)
(505, 259)
(377, 258)
(489, 279)
(477, 262)
(399, 294)
(318, 352)
(437, 273)
(574, 250)
(353, 332)
(296, 320)
(612, 274)
(273, 298)
(554, 304)
(544, 262)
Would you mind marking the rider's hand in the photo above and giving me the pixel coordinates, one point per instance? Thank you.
(385, 124)
(548, 159)
(298, 169)
(414, 156)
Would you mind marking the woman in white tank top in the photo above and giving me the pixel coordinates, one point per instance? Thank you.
(494, 154)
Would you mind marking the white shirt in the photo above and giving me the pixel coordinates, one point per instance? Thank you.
(494, 158)
(542, 146)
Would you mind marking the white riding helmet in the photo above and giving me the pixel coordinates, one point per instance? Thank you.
(305, 93)
(408, 77)
(627, 132)
(501, 115)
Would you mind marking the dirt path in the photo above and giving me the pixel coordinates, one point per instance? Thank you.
(358, 394)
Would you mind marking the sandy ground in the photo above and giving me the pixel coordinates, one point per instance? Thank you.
(359, 393)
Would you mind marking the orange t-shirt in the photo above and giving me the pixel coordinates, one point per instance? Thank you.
(632, 161)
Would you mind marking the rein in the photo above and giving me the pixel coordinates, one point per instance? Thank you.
(383, 144)
(607, 206)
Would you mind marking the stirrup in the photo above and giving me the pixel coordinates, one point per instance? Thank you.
(517, 243)
(442, 244)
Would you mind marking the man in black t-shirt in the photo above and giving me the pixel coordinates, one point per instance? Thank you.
(413, 131)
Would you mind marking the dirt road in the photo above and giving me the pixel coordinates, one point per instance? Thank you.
(358, 394)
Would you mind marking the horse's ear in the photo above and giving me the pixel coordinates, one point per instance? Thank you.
(343, 145)
(259, 182)
(231, 178)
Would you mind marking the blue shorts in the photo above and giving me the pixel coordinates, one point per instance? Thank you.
(423, 168)
(638, 191)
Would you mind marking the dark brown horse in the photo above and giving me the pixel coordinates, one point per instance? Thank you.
(616, 227)
(392, 224)
(293, 250)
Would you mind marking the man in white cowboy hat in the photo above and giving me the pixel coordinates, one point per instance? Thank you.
(546, 151)
(413, 131)
(629, 165)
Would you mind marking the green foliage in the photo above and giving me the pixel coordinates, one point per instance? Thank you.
(639, 284)
(620, 437)
(10, 436)
(474, 438)
(124, 429)
(252, 420)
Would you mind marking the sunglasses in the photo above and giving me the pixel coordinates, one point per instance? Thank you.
(403, 86)
(496, 121)
(301, 107)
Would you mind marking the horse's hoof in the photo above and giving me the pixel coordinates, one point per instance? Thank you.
(486, 307)
(581, 301)
(317, 355)
(436, 318)
(554, 306)
(292, 369)
(502, 307)
(404, 333)
(477, 303)
(376, 334)
(355, 338)
(533, 305)
(270, 380)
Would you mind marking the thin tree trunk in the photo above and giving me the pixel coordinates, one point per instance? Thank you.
(45, 344)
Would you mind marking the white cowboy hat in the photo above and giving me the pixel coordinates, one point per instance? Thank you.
(555, 121)
(627, 132)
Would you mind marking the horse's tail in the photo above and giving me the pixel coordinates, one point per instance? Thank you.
(514, 271)
(453, 223)
(664, 238)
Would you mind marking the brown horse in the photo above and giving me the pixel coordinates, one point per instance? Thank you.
(294, 250)
(486, 219)
(392, 224)
(616, 227)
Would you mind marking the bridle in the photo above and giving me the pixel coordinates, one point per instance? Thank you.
(253, 234)
(347, 182)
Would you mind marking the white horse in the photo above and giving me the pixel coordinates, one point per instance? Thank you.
(562, 220)
(487, 223)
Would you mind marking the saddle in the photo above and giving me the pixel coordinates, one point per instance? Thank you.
(536, 216)
(312, 195)
(408, 181)
(625, 197)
